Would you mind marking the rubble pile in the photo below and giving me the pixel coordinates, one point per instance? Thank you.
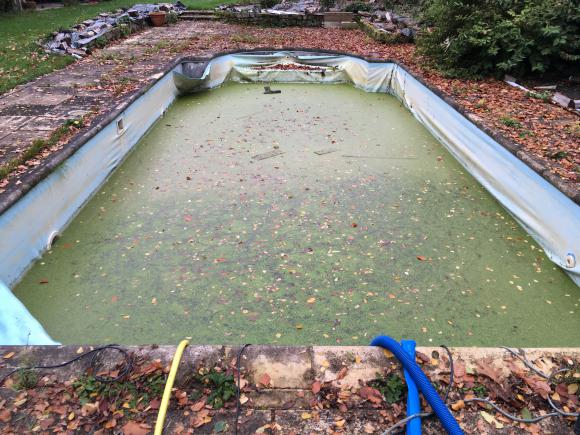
(284, 7)
(77, 40)
(293, 6)
(390, 26)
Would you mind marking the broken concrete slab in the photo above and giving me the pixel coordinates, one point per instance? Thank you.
(286, 366)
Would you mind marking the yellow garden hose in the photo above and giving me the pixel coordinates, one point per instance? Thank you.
(168, 387)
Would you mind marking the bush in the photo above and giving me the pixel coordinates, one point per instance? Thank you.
(327, 4)
(359, 6)
(474, 38)
(267, 4)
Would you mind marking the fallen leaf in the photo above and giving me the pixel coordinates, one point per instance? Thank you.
(9, 355)
(110, 424)
(491, 419)
(342, 373)
(311, 300)
(135, 428)
(198, 406)
(485, 367)
(421, 258)
(316, 387)
(369, 428)
(306, 416)
(5, 415)
(265, 380)
(460, 404)
(220, 426)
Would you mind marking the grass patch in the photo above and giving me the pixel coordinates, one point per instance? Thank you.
(210, 4)
(510, 122)
(38, 145)
(26, 379)
(244, 38)
(544, 96)
(22, 59)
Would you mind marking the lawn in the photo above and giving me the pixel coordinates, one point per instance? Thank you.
(22, 59)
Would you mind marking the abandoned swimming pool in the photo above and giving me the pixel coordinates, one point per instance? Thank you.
(322, 214)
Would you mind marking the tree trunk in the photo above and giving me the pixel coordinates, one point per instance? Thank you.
(17, 5)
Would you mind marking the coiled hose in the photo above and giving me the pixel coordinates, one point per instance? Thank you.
(422, 382)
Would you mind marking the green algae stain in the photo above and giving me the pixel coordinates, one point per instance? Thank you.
(385, 234)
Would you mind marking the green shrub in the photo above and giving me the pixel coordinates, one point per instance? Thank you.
(493, 37)
(510, 122)
(267, 4)
(327, 4)
(359, 6)
(391, 387)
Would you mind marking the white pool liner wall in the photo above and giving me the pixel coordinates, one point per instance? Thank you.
(26, 229)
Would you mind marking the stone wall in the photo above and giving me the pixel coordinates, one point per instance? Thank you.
(272, 20)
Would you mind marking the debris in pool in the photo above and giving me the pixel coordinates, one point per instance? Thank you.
(267, 155)
(268, 91)
(325, 151)
(379, 157)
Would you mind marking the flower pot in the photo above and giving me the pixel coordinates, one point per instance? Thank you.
(158, 18)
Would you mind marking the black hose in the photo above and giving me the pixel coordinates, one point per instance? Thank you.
(95, 353)
(238, 389)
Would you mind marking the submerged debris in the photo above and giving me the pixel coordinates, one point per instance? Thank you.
(268, 155)
(267, 90)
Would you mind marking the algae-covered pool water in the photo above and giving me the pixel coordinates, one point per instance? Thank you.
(320, 215)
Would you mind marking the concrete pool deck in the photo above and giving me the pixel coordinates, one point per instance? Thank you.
(292, 390)
(102, 85)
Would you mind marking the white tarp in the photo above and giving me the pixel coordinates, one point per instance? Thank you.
(25, 229)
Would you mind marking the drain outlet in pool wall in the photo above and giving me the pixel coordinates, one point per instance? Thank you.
(54, 236)
(120, 126)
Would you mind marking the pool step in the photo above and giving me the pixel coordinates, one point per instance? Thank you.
(339, 20)
(193, 15)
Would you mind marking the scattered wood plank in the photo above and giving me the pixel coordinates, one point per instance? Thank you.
(380, 157)
(325, 151)
(267, 155)
(561, 99)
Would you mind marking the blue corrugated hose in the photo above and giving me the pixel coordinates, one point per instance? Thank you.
(413, 402)
(422, 382)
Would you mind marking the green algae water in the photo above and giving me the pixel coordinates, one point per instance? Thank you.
(320, 215)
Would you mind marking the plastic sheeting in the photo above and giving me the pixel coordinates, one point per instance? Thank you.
(27, 227)
(17, 325)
